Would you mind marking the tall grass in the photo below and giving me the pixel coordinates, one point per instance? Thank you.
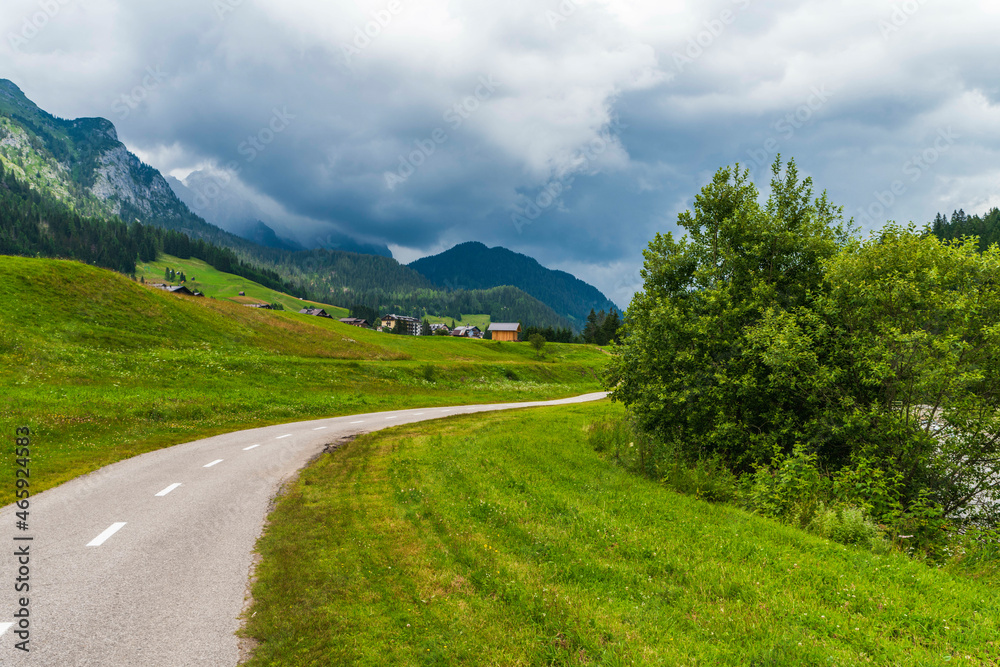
(797, 492)
(504, 539)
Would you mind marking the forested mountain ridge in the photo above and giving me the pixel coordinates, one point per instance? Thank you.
(474, 266)
(82, 163)
(71, 189)
(34, 224)
(986, 227)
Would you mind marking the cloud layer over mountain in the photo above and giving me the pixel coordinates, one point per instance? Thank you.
(568, 130)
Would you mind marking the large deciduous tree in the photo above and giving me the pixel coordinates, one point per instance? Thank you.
(769, 329)
(684, 366)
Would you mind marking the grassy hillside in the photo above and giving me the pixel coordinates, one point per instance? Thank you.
(214, 283)
(103, 368)
(505, 540)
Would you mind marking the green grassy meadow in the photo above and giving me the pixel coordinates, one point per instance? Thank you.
(504, 539)
(204, 278)
(102, 368)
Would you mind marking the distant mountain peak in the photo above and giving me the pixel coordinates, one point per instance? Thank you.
(10, 89)
(473, 265)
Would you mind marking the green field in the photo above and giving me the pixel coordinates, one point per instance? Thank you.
(103, 368)
(504, 539)
(211, 282)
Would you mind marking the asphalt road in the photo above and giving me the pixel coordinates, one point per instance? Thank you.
(146, 562)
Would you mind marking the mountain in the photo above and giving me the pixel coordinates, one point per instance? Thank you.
(474, 266)
(71, 189)
(263, 235)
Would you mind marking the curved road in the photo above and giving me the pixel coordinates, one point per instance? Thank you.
(146, 561)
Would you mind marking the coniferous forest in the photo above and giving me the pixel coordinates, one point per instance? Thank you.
(987, 227)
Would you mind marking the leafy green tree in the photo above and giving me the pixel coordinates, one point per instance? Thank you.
(537, 342)
(684, 369)
(771, 337)
(425, 328)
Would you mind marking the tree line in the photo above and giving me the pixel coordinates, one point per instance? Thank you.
(986, 228)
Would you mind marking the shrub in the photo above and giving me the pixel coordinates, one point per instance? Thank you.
(429, 372)
(848, 525)
(707, 479)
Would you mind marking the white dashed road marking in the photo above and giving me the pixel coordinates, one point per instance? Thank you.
(320, 428)
(168, 490)
(287, 435)
(360, 422)
(103, 537)
(390, 417)
(247, 449)
(4, 627)
(209, 465)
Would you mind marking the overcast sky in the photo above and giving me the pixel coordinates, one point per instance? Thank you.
(571, 131)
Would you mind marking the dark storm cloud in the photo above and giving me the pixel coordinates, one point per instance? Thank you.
(572, 131)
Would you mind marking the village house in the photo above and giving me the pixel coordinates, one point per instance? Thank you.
(175, 289)
(440, 326)
(467, 332)
(316, 312)
(505, 331)
(355, 322)
(411, 325)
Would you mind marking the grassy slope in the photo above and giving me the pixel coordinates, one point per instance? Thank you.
(504, 540)
(103, 368)
(215, 283)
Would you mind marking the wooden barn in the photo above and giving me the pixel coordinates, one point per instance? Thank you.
(505, 331)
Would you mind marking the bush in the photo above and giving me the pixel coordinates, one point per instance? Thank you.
(608, 435)
(706, 479)
(848, 525)
(817, 367)
(791, 489)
